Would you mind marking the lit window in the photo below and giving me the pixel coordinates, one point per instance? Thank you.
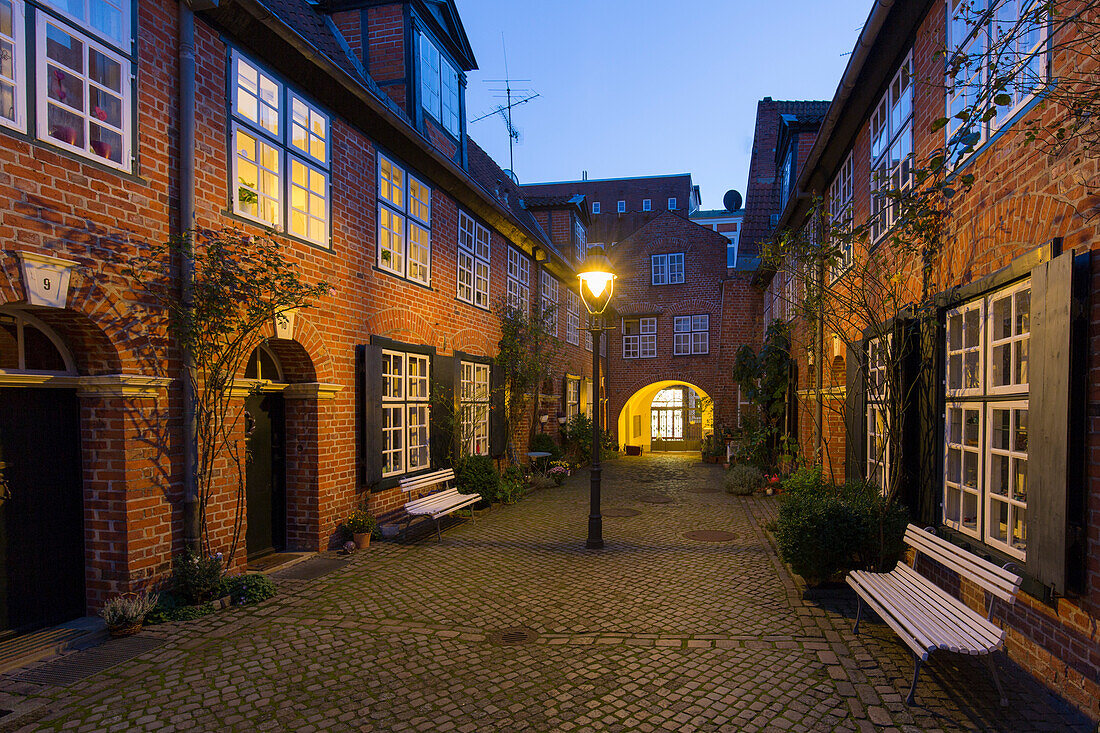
(878, 411)
(840, 216)
(473, 261)
(667, 269)
(404, 242)
(519, 281)
(84, 87)
(672, 204)
(891, 148)
(281, 156)
(622, 207)
(639, 338)
(691, 335)
(572, 397)
(595, 207)
(647, 205)
(986, 426)
(474, 401)
(439, 86)
(406, 412)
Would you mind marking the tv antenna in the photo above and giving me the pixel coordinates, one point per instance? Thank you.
(523, 96)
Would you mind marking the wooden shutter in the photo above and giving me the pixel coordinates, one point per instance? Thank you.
(498, 419)
(855, 412)
(370, 413)
(1049, 410)
(446, 423)
(928, 394)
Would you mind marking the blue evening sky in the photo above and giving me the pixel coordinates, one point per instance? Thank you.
(647, 87)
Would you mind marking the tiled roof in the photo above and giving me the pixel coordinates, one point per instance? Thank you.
(314, 27)
(487, 174)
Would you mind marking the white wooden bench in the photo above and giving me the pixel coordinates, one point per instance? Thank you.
(925, 616)
(437, 504)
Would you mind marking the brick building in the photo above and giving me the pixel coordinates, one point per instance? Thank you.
(725, 222)
(336, 127)
(1023, 254)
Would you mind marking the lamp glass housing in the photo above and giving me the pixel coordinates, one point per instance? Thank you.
(597, 281)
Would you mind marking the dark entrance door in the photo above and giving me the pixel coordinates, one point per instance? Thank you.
(265, 475)
(42, 519)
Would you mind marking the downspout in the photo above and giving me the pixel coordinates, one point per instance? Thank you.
(192, 524)
(819, 337)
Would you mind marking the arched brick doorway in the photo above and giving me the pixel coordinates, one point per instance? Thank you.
(668, 415)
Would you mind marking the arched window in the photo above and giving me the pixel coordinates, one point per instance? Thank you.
(28, 345)
(263, 364)
(670, 397)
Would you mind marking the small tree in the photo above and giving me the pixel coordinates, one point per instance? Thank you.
(528, 348)
(764, 378)
(240, 285)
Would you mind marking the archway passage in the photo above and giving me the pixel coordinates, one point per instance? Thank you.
(668, 415)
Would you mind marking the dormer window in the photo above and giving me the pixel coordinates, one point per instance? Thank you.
(439, 87)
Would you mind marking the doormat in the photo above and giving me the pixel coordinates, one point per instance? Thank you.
(83, 664)
(710, 535)
(310, 569)
(620, 512)
(267, 562)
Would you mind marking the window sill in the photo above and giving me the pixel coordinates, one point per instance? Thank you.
(72, 154)
(485, 308)
(229, 213)
(402, 278)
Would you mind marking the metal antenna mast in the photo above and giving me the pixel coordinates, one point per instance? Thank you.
(505, 110)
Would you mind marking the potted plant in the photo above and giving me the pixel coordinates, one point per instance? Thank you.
(124, 614)
(361, 526)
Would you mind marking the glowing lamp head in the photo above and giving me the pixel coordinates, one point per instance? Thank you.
(597, 281)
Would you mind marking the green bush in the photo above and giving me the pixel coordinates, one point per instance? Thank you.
(478, 475)
(543, 443)
(511, 485)
(824, 530)
(169, 608)
(250, 588)
(578, 438)
(197, 578)
(743, 479)
(360, 523)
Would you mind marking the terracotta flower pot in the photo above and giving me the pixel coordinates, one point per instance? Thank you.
(362, 540)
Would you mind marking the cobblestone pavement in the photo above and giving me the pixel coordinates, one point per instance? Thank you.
(656, 632)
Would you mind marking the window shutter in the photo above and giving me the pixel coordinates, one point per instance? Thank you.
(928, 394)
(855, 413)
(446, 423)
(1050, 400)
(498, 419)
(370, 413)
(564, 394)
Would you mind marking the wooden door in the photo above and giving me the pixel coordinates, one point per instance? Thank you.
(265, 475)
(42, 519)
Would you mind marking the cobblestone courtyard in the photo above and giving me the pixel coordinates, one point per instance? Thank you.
(655, 632)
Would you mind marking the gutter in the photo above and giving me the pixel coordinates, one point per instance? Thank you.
(514, 229)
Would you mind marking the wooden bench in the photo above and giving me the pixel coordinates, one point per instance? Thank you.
(438, 504)
(925, 616)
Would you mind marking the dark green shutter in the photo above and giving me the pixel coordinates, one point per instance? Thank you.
(446, 413)
(370, 413)
(498, 419)
(855, 413)
(929, 396)
(1049, 409)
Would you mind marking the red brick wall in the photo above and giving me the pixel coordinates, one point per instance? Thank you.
(386, 51)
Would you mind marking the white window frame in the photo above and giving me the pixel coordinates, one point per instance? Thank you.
(976, 42)
(840, 215)
(440, 93)
(691, 335)
(891, 147)
(406, 200)
(84, 20)
(981, 402)
(474, 258)
(647, 204)
(667, 269)
(572, 397)
(580, 238)
(474, 403)
(549, 286)
(595, 207)
(969, 347)
(291, 158)
(621, 206)
(412, 405)
(18, 79)
(572, 318)
(672, 203)
(878, 412)
(519, 281)
(643, 343)
(124, 94)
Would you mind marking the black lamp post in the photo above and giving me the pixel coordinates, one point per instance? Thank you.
(597, 282)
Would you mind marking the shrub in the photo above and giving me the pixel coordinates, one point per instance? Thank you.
(169, 608)
(128, 609)
(541, 481)
(743, 479)
(578, 437)
(250, 588)
(511, 485)
(543, 443)
(478, 475)
(824, 530)
(360, 523)
(197, 578)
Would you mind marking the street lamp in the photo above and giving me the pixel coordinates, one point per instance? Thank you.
(597, 282)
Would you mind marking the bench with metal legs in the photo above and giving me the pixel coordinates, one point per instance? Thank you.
(437, 504)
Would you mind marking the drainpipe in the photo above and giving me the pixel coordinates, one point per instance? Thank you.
(192, 525)
(819, 362)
